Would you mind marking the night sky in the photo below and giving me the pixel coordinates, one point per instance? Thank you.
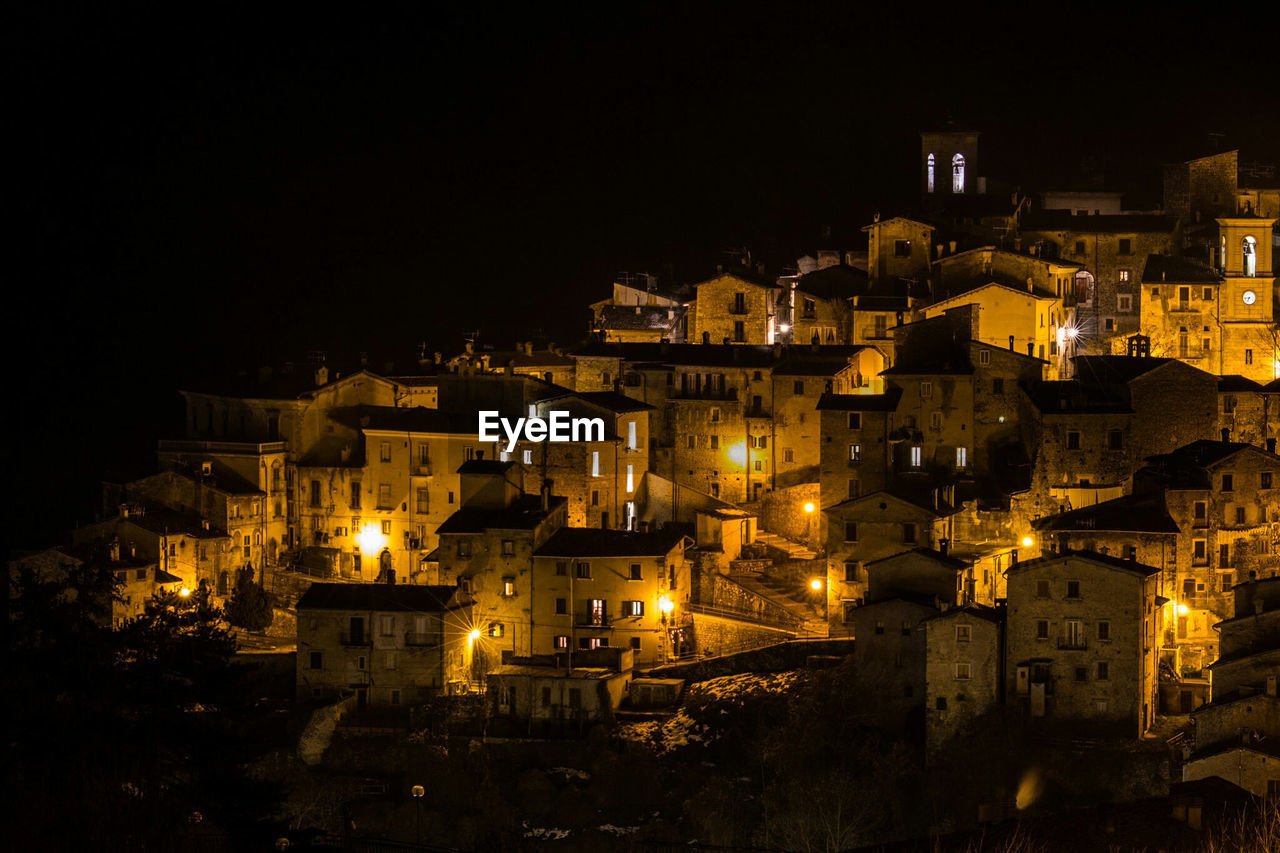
(220, 190)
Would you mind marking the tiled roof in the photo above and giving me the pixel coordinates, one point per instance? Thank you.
(657, 318)
(929, 553)
(1128, 514)
(1073, 397)
(485, 466)
(1063, 220)
(835, 282)
(593, 542)
(525, 514)
(1092, 556)
(1162, 269)
(380, 597)
(1236, 382)
(401, 419)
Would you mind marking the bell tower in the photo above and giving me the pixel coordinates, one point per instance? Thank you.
(948, 165)
(1250, 342)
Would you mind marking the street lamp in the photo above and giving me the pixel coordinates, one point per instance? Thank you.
(808, 507)
(418, 793)
(816, 585)
(1027, 541)
(184, 592)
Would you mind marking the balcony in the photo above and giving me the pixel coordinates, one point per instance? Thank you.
(347, 638)
(1077, 644)
(875, 333)
(590, 620)
(421, 469)
(417, 640)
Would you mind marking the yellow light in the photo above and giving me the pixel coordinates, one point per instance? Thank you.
(808, 507)
(666, 605)
(474, 635)
(370, 539)
(738, 453)
(184, 592)
(1071, 333)
(784, 328)
(815, 584)
(1182, 610)
(1027, 541)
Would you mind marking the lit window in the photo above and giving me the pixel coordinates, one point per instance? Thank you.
(528, 457)
(930, 165)
(855, 453)
(1249, 256)
(631, 435)
(957, 173)
(595, 463)
(962, 672)
(962, 457)
(917, 456)
(496, 629)
(631, 487)
(508, 587)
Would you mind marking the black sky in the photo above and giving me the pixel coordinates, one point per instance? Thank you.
(219, 188)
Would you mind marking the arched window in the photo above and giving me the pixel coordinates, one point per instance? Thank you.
(957, 173)
(1249, 250)
(931, 161)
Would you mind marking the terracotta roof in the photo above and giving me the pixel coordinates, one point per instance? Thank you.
(381, 597)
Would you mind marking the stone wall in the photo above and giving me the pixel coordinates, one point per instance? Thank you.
(782, 511)
(778, 657)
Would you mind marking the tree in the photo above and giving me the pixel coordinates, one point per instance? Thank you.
(250, 604)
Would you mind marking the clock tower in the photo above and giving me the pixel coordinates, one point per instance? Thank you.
(1250, 342)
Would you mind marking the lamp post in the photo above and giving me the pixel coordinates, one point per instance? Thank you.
(418, 793)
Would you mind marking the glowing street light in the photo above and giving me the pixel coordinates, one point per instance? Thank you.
(1182, 609)
(666, 605)
(184, 592)
(1027, 541)
(418, 793)
(474, 635)
(816, 585)
(370, 539)
(808, 507)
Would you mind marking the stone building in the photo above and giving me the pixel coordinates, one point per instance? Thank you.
(1113, 249)
(1180, 312)
(737, 306)
(899, 249)
(547, 695)
(608, 588)
(815, 306)
(388, 645)
(963, 676)
(1249, 412)
(1250, 333)
(1082, 635)
(1249, 648)
(890, 660)
(1203, 515)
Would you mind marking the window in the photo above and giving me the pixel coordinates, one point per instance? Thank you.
(1073, 589)
(909, 533)
(508, 547)
(597, 611)
(561, 643)
(855, 420)
(739, 303)
(1208, 294)
(1073, 439)
(1079, 247)
(450, 497)
(906, 628)
(1115, 439)
(902, 248)
(1124, 303)
(963, 633)
(797, 387)
(847, 611)
(584, 570)
(1248, 356)
(508, 587)
(917, 456)
(962, 457)
(1228, 482)
(1108, 324)
(929, 165)
(1042, 589)
(984, 356)
(595, 498)
(464, 548)
(926, 390)
(385, 455)
(1125, 246)
(691, 441)
(386, 528)
(635, 572)
(851, 531)
(1124, 276)
(1265, 482)
(631, 435)
(1104, 630)
(810, 307)
(935, 420)
(1249, 256)
(739, 331)
(715, 442)
(633, 608)
(528, 457)
(855, 453)
(715, 414)
(315, 493)
(562, 568)
(788, 455)
(386, 625)
(1042, 629)
(1104, 670)
(962, 672)
(389, 660)
(635, 643)
(384, 496)
(850, 571)
(316, 660)
(879, 627)
(562, 606)
(421, 501)
(496, 629)
(855, 487)
(997, 385)
(957, 173)
(595, 463)
(941, 703)
(715, 490)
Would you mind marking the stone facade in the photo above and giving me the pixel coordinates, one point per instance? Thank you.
(735, 307)
(962, 670)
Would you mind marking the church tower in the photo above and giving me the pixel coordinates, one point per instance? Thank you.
(948, 165)
(1247, 307)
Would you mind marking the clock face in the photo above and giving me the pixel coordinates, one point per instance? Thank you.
(1249, 297)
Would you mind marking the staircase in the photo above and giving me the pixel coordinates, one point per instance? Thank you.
(793, 550)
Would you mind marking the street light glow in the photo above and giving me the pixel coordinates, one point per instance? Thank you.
(815, 584)
(1027, 541)
(1182, 610)
(474, 635)
(666, 605)
(370, 539)
(808, 507)
(184, 592)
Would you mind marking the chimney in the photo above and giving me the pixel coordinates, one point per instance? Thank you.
(943, 545)
(322, 376)
(1030, 284)
(1271, 685)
